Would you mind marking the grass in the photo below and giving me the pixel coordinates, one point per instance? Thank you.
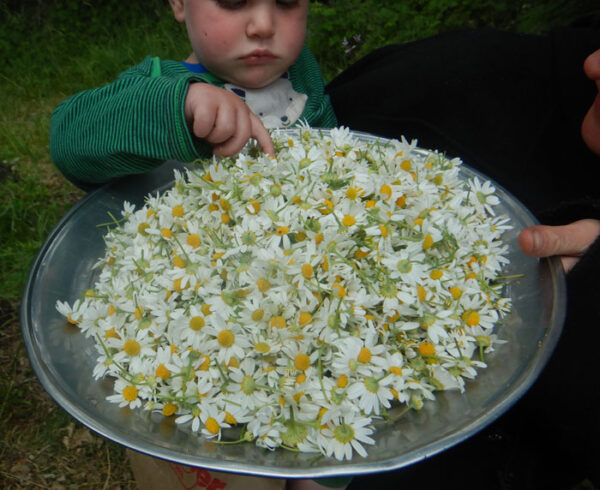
(53, 49)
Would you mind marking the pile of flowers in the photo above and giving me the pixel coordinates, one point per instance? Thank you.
(300, 297)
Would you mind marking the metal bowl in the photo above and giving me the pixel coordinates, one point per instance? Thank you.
(63, 359)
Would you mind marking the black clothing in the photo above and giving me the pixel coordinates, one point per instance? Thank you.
(510, 105)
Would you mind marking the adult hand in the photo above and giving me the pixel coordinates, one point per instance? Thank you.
(223, 120)
(567, 241)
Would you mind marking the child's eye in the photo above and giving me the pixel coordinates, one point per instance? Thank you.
(288, 3)
(231, 4)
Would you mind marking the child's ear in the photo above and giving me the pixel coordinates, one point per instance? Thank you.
(178, 8)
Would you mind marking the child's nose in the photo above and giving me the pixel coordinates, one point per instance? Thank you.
(261, 22)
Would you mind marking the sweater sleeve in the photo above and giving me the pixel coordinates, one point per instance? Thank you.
(306, 77)
(129, 126)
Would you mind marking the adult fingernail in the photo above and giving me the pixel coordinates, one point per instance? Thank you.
(536, 240)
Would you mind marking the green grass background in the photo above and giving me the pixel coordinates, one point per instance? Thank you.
(51, 49)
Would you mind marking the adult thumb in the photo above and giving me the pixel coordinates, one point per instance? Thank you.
(566, 240)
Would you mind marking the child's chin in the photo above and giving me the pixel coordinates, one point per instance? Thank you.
(257, 80)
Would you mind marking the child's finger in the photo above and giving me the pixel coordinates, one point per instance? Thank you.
(224, 126)
(260, 134)
(237, 139)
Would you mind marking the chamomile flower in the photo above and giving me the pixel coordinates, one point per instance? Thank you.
(371, 393)
(213, 420)
(193, 415)
(483, 196)
(346, 434)
(247, 388)
(127, 394)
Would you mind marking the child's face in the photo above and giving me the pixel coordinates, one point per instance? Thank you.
(250, 43)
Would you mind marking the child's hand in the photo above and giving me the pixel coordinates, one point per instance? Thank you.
(223, 120)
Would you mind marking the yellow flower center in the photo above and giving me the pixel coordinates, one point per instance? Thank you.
(253, 207)
(339, 290)
(169, 409)
(426, 349)
(178, 211)
(282, 230)
(348, 220)
(142, 227)
(197, 323)
(130, 393)
(364, 355)
(305, 317)
(139, 312)
(386, 191)
(302, 362)
(353, 192)
(257, 315)
(225, 204)
(212, 425)
(307, 271)
(361, 254)
(344, 433)
(178, 261)
(436, 274)
(162, 371)
(225, 338)
(131, 347)
(427, 242)
(205, 363)
(193, 240)
(262, 347)
(277, 321)
(471, 318)
(177, 285)
(401, 201)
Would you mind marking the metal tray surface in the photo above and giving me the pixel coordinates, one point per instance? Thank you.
(63, 359)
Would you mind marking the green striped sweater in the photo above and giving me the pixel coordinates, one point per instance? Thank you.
(137, 122)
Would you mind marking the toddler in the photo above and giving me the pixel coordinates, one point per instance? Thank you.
(249, 70)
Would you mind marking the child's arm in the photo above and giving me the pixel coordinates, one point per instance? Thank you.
(223, 120)
(129, 126)
(133, 125)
